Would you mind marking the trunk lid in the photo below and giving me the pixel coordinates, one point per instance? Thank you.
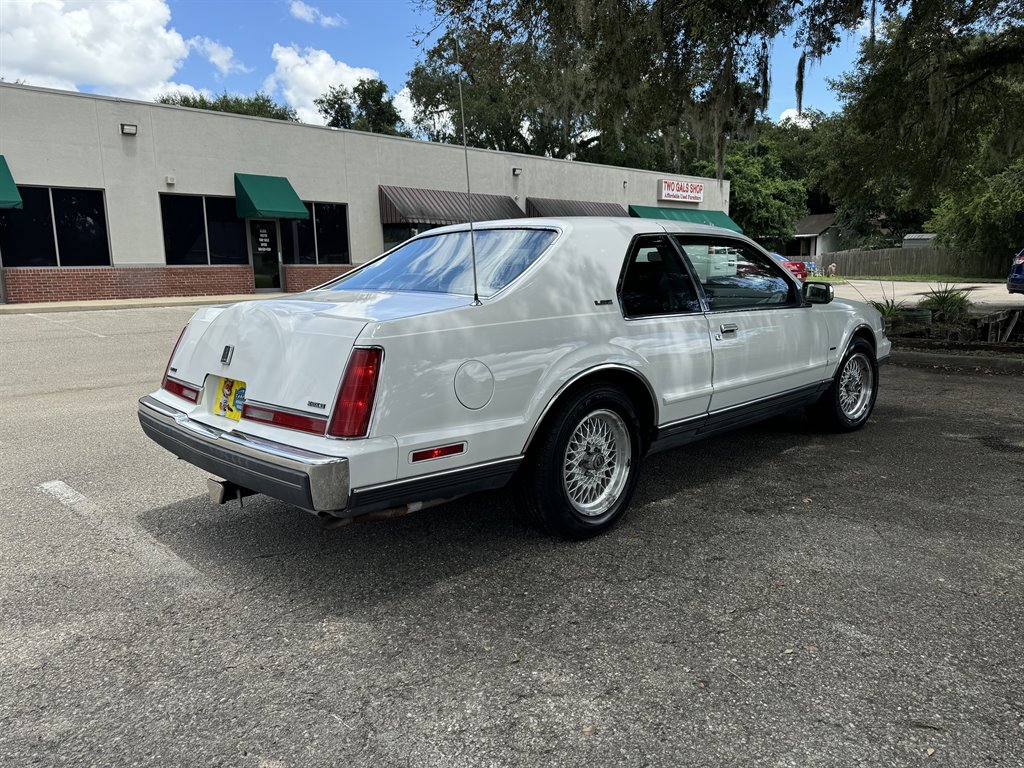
(290, 353)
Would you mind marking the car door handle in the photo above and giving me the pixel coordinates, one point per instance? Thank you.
(729, 327)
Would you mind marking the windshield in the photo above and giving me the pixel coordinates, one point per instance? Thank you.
(443, 264)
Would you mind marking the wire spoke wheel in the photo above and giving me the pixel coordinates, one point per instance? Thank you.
(856, 387)
(597, 460)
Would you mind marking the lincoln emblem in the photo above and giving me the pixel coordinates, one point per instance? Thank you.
(225, 357)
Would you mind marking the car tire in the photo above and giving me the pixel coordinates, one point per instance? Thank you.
(581, 472)
(847, 404)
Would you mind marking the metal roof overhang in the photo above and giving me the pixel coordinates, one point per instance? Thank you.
(269, 196)
(9, 195)
(540, 206)
(437, 207)
(690, 215)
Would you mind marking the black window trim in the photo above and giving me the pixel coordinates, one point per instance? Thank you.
(732, 242)
(683, 262)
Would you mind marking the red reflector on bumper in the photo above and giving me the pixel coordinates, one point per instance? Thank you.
(440, 452)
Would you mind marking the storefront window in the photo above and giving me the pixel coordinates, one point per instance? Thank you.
(219, 237)
(184, 230)
(55, 228)
(81, 226)
(332, 233)
(298, 245)
(226, 232)
(26, 235)
(396, 234)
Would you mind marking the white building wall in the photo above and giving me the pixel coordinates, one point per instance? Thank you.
(60, 139)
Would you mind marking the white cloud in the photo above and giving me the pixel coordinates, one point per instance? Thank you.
(403, 103)
(221, 56)
(160, 89)
(122, 47)
(791, 115)
(312, 15)
(303, 75)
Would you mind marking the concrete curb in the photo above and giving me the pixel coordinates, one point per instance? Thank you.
(101, 304)
(950, 360)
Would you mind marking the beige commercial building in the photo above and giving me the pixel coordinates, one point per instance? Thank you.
(108, 198)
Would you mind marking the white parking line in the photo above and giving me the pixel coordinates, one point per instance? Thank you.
(121, 533)
(69, 325)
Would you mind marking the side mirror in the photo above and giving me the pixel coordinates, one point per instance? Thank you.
(818, 293)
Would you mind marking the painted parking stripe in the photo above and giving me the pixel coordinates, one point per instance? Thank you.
(122, 534)
(69, 325)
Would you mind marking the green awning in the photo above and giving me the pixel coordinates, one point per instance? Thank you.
(9, 195)
(691, 215)
(269, 196)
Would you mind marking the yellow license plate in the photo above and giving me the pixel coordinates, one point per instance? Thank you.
(230, 398)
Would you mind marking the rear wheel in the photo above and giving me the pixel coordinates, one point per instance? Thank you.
(582, 471)
(848, 402)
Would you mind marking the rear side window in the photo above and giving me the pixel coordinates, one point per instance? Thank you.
(736, 276)
(655, 281)
(443, 263)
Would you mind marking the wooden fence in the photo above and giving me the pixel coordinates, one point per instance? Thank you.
(914, 261)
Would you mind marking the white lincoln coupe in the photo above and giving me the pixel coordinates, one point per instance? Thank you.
(558, 358)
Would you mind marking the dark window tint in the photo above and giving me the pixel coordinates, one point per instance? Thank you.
(396, 234)
(81, 227)
(184, 236)
(26, 234)
(226, 232)
(332, 233)
(735, 275)
(442, 263)
(655, 282)
(297, 239)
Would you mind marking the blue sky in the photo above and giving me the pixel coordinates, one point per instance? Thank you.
(291, 48)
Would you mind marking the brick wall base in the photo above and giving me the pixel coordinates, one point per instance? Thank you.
(83, 283)
(302, 277)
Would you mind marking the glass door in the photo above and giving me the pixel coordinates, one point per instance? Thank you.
(264, 248)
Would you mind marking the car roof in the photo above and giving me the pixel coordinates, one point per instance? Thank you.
(630, 224)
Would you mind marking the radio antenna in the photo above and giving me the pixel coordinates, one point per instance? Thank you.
(469, 194)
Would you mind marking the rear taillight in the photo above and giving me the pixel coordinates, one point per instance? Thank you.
(269, 415)
(182, 390)
(351, 417)
(174, 386)
(167, 369)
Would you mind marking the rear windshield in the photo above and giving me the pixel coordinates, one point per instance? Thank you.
(443, 264)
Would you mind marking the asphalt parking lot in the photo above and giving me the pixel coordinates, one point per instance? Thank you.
(775, 597)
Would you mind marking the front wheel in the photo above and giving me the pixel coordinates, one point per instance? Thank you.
(582, 472)
(848, 402)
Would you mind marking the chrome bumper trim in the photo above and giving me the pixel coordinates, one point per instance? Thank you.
(312, 480)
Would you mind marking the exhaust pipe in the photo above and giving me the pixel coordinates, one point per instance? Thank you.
(223, 491)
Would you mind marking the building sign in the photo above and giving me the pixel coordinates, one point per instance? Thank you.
(681, 191)
(262, 244)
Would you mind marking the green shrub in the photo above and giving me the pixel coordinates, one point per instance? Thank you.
(888, 308)
(948, 303)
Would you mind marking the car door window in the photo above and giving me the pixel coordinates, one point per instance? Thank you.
(735, 275)
(655, 281)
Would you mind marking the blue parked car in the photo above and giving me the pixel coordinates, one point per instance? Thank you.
(1015, 282)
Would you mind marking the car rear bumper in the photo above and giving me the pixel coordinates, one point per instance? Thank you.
(309, 480)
